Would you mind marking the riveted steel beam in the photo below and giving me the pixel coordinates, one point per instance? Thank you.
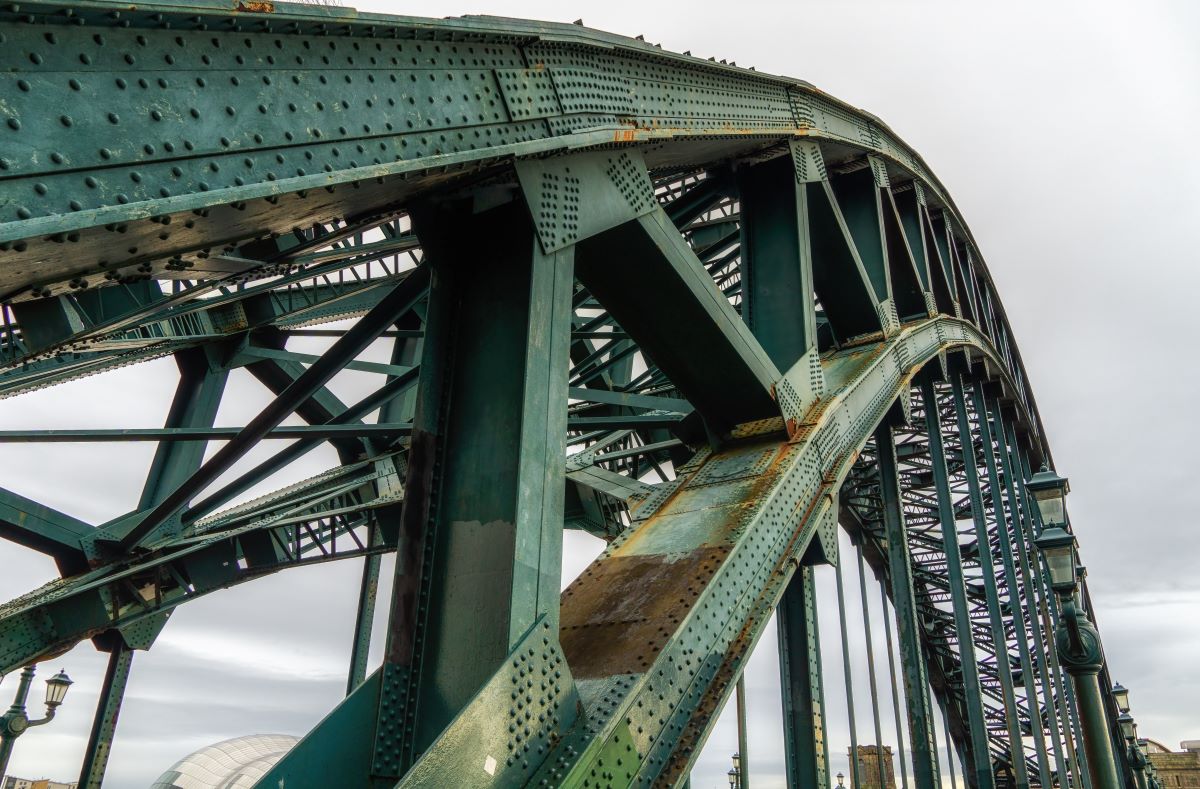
(805, 742)
(108, 710)
(34, 525)
(469, 546)
(706, 350)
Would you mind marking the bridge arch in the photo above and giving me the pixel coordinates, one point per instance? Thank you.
(772, 318)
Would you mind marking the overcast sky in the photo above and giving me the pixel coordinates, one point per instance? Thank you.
(1063, 132)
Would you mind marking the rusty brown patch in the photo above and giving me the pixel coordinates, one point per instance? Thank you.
(256, 6)
(617, 616)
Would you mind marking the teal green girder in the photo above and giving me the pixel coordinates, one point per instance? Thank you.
(280, 166)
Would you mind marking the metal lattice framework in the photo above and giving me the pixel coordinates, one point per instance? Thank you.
(706, 314)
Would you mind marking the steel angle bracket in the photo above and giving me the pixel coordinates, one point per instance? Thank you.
(808, 161)
(577, 196)
(800, 389)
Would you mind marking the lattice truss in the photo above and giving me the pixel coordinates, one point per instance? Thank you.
(707, 315)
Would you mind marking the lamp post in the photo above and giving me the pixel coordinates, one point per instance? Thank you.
(735, 773)
(1076, 639)
(14, 722)
(1137, 759)
(1152, 776)
(841, 779)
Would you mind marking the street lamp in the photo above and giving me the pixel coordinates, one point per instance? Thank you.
(14, 722)
(841, 780)
(735, 774)
(1128, 727)
(1120, 695)
(1049, 492)
(1076, 639)
(1137, 758)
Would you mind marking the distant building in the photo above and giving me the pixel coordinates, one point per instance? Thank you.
(868, 767)
(232, 764)
(13, 782)
(1176, 768)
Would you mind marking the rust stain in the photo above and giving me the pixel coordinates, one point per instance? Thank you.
(624, 135)
(618, 615)
(256, 6)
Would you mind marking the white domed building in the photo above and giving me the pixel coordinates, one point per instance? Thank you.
(232, 764)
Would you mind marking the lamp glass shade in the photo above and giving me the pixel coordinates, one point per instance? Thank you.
(1058, 549)
(1120, 695)
(56, 689)
(1051, 507)
(1049, 492)
(841, 779)
(737, 761)
(1127, 726)
(733, 776)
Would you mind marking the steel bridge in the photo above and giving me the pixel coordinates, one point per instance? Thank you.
(710, 315)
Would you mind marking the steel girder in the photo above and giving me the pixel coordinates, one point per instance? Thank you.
(770, 315)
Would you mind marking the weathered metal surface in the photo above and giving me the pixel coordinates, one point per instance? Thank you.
(710, 286)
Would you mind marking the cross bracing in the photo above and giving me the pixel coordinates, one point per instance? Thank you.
(706, 314)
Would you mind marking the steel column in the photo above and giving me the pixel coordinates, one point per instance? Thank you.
(894, 682)
(368, 590)
(806, 749)
(855, 777)
(868, 638)
(481, 529)
(104, 725)
(743, 741)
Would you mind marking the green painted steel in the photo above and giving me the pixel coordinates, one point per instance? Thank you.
(980, 759)
(856, 776)
(992, 447)
(108, 709)
(806, 743)
(912, 661)
(872, 681)
(665, 300)
(1016, 761)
